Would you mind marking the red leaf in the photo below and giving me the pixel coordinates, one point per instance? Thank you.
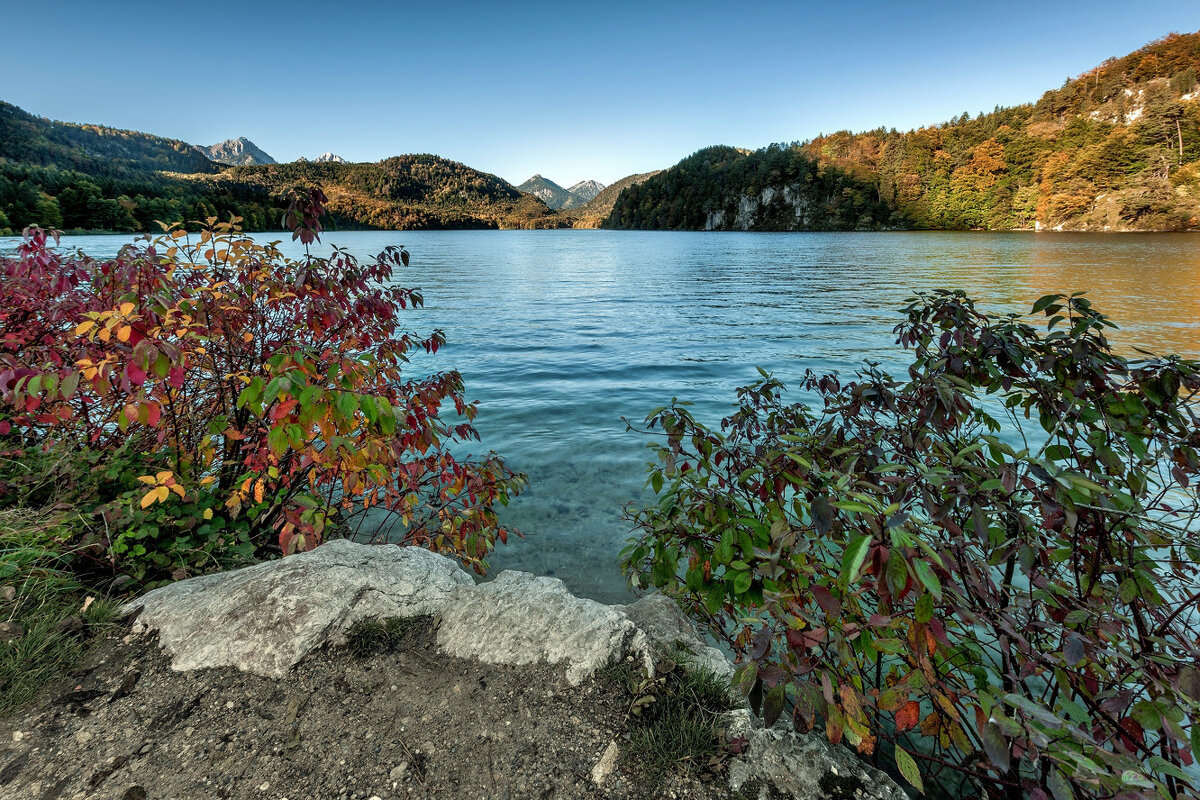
(908, 716)
(136, 374)
(1133, 735)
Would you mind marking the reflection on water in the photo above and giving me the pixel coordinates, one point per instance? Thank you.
(561, 333)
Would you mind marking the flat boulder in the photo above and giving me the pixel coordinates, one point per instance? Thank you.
(264, 619)
(522, 619)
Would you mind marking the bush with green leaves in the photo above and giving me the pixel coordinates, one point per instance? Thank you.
(265, 400)
(983, 572)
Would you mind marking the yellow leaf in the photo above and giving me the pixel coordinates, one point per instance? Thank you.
(123, 333)
(177, 489)
(207, 479)
(164, 475)
(162, 493)
(105, 334)
(126, 309)
(258, 491)
(208, 513)
(84, 327)
(149, 498)
(148, 480)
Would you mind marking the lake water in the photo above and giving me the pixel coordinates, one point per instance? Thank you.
(560, 334)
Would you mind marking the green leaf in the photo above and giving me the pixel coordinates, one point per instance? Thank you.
(773, 703)
(744, 678)
(1044, 302)
(928, 579)
(996, 746)
(908, 768)
(1059, 786)
(656, 481)
(853, 558)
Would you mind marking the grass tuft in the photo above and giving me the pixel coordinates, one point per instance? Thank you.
(676, 721)
(46, 616)
(369, 636)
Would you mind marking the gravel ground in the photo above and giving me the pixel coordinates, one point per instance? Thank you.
(405, 723)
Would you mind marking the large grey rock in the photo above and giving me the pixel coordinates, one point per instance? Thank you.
(521, 619)
(669, 631)
(264, 619)
(803, 766)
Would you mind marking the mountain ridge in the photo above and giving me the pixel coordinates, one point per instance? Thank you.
(236, 152)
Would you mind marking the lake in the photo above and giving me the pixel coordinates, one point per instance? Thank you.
(560, 334)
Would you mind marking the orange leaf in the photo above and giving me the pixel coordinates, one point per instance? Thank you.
(258, 491)
(908, 716)
(149, 498)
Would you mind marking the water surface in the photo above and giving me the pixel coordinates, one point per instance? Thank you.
(560, 334)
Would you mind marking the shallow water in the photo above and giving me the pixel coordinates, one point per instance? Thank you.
(559, 334)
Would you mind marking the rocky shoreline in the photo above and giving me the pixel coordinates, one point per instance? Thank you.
(496, 690)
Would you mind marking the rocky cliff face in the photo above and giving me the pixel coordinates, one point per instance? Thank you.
(239, 152)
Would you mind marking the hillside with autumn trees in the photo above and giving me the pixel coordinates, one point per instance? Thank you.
(94, 177)
(1117, 148)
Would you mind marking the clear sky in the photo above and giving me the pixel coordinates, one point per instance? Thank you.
(572, 90)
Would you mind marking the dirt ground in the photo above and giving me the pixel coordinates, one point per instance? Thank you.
(408, 722)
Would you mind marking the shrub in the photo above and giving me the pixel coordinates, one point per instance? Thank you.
(262, 396)
(987, 570)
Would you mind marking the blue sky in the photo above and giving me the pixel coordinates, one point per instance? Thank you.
(571, 90)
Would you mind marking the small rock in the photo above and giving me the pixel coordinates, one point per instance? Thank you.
(18, 736)
(10, 631)
(83, 737)
(607, 763)
(397, 773)
(70, 625)
(8, 592)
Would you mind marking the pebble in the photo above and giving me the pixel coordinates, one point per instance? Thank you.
(18, 736)
(398, 771)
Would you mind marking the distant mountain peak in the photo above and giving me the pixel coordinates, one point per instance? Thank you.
(587, 189)
(239, 152)
(330, 158)
(557, 197)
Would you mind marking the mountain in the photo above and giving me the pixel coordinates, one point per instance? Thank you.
(405, 192)
(330, 158)
(558, 198)
(593, 214)
(1117, 148)
(587, 190)
(546, 190)
(236, 152)
(91, 177)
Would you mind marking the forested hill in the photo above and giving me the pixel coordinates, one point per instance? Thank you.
(777, 188)
(93, 177)
(406, 192)
(32, 140)
(1117, 148)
